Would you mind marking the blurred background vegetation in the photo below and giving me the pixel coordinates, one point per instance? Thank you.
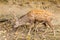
(20, 7)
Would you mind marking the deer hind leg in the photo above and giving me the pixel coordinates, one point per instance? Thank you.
(51, 26)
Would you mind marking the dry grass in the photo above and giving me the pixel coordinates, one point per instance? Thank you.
(7, 32)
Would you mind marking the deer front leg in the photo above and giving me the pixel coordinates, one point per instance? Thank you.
(29, 32)
(31, 26)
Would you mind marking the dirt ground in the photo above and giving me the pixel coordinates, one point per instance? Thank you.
(19, 8)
